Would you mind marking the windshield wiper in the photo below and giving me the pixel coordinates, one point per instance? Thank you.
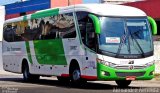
(123, 38)
(135, 34)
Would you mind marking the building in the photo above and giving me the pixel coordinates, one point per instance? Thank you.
(118, 1)
(150, 7)
(30, 6)
(110, 1)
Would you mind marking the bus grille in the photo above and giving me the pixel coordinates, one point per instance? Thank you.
(124, 74)
(127, 67)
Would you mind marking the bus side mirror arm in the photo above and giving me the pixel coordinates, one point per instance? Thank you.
(153, 25)
(96, 23)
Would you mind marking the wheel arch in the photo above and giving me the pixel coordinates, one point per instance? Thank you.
(24, 63)
(73, 64)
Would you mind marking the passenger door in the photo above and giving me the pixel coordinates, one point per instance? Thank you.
(88, 38)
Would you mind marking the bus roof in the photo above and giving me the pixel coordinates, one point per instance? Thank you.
(100, 9)
(106, 9)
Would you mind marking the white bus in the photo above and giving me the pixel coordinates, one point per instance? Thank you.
(81, 42)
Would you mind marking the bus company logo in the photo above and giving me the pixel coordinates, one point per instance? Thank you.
(131, 67)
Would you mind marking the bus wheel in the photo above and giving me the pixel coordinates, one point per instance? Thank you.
(27, 76)
(75, 75)
(123, 83)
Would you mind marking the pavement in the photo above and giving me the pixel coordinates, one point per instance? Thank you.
(13, 83)
(2, 72)
(1, 64)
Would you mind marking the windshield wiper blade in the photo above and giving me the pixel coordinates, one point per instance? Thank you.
(123, 38)
(138, 43)
(119, 50)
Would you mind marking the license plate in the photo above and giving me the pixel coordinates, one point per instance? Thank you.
(130, 77)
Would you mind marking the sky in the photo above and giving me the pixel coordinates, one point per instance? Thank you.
(3, 2)
(91, 1)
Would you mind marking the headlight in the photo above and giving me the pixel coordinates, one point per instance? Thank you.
(106, 63)
(150, 64)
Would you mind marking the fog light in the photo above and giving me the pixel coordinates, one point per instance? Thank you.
(105, 73)
(151, 73)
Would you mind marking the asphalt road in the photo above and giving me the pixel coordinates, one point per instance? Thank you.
(13, 83)
(1, 64)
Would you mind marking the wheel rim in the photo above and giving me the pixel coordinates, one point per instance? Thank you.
(76, 75)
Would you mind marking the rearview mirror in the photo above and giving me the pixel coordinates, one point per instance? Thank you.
(96, 23)
(153, 25)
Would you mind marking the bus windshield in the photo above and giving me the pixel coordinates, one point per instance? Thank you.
(125, 37)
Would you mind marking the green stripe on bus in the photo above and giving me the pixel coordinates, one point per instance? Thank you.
(50, 52)
(45, 13)
(25, 18)
(96, 23)
(28, 52)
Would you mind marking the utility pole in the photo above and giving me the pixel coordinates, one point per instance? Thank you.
(68, 2)
(101, 1)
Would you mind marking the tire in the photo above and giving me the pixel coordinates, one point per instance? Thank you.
(123, 83)
(27, 76)
(75, 77)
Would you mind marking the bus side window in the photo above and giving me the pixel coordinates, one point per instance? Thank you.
(82, 27)
(66, 26)
(8, 33)
(82, 21)
(50, 31)
(86, 29)
(90, 37)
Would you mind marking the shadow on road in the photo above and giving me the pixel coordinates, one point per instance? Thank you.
(89, 85)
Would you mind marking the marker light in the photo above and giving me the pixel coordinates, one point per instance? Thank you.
(150, 63)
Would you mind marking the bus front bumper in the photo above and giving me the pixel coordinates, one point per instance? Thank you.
(108, 73)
